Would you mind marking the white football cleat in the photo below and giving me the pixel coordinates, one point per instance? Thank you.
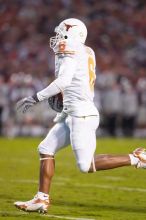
(34, 205)
(140, 153)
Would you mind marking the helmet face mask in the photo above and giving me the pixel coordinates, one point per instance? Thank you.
(70, 29)
(57, 38)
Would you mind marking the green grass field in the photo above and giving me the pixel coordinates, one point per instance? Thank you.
(118, 194)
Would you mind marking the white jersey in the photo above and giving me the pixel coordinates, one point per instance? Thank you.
(75, 63)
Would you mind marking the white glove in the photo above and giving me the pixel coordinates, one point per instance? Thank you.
(24, 104)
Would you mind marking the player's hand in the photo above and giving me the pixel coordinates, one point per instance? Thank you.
(24, 104)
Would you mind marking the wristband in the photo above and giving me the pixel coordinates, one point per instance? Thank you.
(35, 97)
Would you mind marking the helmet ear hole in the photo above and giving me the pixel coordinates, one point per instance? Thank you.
(65, 37)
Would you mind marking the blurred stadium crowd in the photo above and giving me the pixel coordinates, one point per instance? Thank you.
(117, 33)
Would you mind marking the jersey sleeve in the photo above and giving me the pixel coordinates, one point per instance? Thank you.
(66, 72)
(91, 52)
(66, 54)
(66, 58)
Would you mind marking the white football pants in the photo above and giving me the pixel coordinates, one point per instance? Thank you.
(80, 132)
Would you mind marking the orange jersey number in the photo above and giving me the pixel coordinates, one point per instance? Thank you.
(92, 75)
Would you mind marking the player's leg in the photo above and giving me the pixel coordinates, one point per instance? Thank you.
(47, 169)
(56, 139)
(83, 140)
(107, 161)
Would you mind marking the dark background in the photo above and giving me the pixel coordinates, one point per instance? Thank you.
(116, 32)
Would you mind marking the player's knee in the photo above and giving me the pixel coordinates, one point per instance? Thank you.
(83, 167)
(92, 168)
(42, 149)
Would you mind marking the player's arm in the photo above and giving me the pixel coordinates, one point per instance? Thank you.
(66, 72)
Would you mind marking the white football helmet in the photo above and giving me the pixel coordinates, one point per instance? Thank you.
(69, 29)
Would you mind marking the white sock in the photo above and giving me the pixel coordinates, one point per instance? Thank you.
(42, 195)
(134, 160)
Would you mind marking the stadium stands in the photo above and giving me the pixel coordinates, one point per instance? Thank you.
(117, 33)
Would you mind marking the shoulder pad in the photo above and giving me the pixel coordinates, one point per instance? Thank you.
(90, 51)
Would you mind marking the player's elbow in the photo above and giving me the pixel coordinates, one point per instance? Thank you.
(66, 83)
(83, 167)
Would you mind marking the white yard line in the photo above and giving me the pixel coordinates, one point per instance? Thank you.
(120, 188)
(102, 186)
(47, 215)
(24, 181)
(67, 217)
(16, 160)
(4, 213)
(62, 178)
(114, 178)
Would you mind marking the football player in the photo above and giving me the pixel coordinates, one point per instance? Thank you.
(78, 118)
